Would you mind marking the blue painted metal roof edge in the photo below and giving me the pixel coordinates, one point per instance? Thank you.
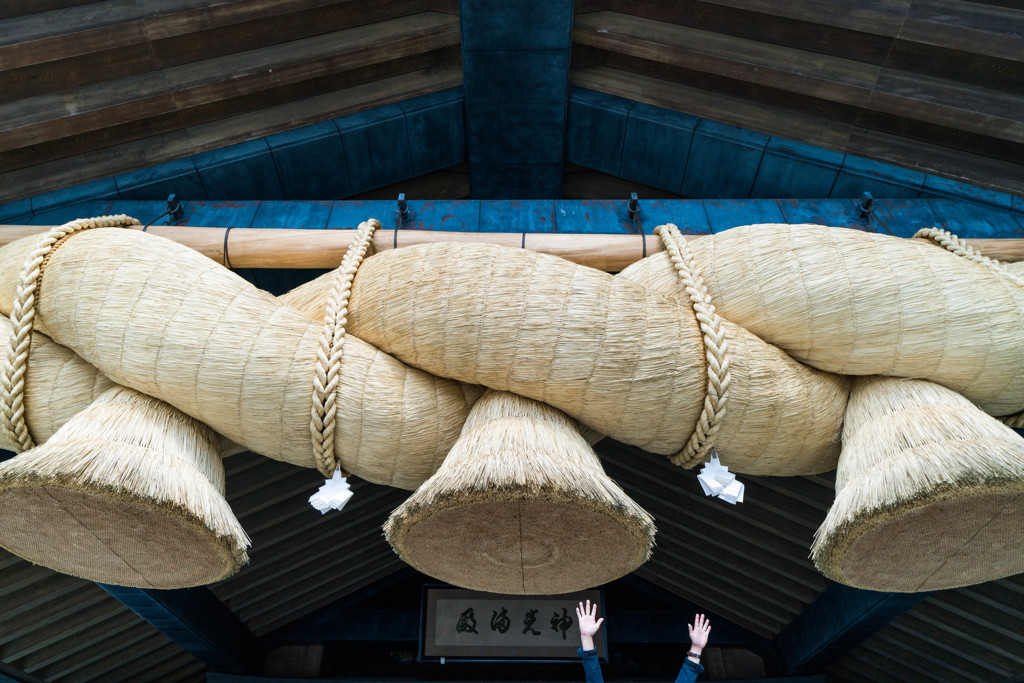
(898, 217)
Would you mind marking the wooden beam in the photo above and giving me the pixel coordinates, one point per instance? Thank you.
(515, 56)
(838, 619)
(8, 674)
(197, 621)
(287, 248)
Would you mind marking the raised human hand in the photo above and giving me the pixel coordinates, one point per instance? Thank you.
(585, 615)
(700, 629)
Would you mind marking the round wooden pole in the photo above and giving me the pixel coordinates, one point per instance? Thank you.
(286, 248)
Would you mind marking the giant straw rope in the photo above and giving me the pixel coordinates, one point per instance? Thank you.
(769, 321)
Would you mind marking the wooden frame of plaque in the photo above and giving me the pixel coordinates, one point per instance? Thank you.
(464, 625)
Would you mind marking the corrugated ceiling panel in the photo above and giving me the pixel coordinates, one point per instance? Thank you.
(59, 628)
(301, 560)
(747, 563)
(967, 634)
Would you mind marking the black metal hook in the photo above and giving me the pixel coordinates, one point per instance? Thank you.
(865, 207)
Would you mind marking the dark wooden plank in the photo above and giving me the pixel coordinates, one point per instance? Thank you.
(87, 16)
(952, 104)
(184, 31)
(872, 16)
(76, 58)
(17, 8)
(328, 105)
(799, 71)
(860, 31)
(107, 161)
(997, 174)
(212, 32)
(64, 74)
(968, 26)
(302, 90)
(49, 117)
(60, 148)
(1003, 75)
(769, 96)
(733, 110)
(955, 139)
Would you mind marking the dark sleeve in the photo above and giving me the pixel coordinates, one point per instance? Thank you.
(591, 666)
(689, 672)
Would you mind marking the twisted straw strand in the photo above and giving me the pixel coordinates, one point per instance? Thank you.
(716, 348)
(328, 362)
(955, 245)
(23, 313)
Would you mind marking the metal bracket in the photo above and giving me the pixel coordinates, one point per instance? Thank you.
(865, 207)
(404, 215)
(174, 208)
(633, 208)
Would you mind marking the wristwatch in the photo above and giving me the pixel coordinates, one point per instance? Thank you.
(693, 654)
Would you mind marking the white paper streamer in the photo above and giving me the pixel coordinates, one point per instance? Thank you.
(718, 481)
(333, 494)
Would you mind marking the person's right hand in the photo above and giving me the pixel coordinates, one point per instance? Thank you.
(585, 615)
(700, 629)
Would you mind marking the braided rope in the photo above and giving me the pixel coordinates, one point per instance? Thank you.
(23, 313)
(328, 363)
(955, 245)
(716, 348)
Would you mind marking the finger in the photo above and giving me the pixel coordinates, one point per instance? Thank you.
(599, 622)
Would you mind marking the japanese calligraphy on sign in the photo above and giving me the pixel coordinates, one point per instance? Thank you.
(467, 624)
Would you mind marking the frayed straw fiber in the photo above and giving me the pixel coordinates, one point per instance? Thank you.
(164, 320)
(929, 492)
(129, 491)
(624, 360)
(860, 303)
(521, 505)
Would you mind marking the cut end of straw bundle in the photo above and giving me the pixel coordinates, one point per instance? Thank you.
(521, 505)
(929, 492)
(128, 492)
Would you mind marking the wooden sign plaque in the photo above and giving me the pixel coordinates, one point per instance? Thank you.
(470, 625)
